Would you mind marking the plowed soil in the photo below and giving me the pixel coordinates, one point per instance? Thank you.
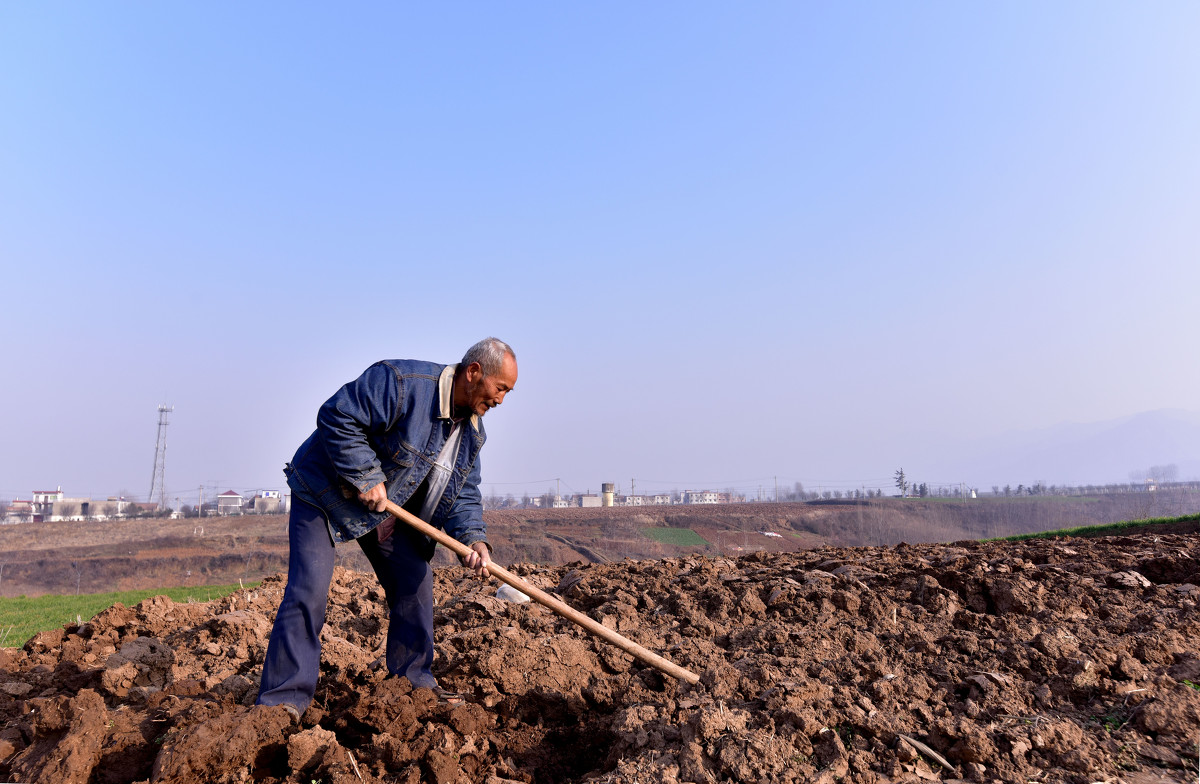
(1049, 661)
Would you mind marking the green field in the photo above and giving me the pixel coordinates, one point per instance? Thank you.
(23, 617)
(680, 537)
(1127, 527)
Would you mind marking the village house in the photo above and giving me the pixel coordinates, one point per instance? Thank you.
(230, 503)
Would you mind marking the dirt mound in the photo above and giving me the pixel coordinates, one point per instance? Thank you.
(1063, 660)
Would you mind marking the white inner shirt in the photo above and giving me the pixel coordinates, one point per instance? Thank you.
(439, 475)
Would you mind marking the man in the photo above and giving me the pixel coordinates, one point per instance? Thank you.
(408, 431)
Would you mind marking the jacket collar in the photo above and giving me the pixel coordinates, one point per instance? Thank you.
(446, 395)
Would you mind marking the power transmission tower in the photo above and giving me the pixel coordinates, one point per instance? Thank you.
(158, 478)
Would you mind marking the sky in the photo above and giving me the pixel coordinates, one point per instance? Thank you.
(733, 245)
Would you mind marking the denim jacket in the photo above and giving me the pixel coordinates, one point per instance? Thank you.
(389, 425)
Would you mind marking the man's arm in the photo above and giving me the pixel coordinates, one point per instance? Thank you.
(372, 403)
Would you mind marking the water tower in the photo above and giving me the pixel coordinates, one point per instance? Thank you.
(606, 494)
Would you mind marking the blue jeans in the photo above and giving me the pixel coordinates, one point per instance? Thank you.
(293, 661)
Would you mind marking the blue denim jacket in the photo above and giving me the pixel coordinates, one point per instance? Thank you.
(389, 425)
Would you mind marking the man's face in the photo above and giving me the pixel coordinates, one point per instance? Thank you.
(484, 393)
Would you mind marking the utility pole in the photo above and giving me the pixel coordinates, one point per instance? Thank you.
(159, 476)
(200, 508)
(776, 489)
(633, 487)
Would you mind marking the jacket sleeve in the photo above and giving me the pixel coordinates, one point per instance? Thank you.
(358, 412)
(465, 521)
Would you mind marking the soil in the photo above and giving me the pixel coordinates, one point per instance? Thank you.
(1066, 660)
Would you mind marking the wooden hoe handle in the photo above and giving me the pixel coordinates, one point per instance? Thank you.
(546, 600)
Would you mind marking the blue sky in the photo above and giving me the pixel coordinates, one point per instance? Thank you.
(729, 242)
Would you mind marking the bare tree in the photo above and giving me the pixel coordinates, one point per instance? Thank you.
(1164, 473)
(902, 483)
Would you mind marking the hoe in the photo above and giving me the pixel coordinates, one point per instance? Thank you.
(546, 600)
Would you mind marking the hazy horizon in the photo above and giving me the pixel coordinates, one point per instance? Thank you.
(728, 244)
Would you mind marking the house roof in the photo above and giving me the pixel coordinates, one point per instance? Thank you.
(229, 494)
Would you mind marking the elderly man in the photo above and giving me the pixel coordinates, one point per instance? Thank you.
(404, 430)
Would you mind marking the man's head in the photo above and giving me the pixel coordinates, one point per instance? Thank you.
(487, 373)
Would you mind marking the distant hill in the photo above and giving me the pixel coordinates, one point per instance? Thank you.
(1075, 453)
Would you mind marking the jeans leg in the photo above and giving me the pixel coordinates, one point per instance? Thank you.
(293, 661)
(407, 581)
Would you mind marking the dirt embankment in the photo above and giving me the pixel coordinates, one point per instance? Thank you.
(65, 558)
(1047, 661)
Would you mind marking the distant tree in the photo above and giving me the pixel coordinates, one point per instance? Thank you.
(837, 493)
(901, 482)
(1164, 473)
(923, 490)
(995, 489)
(1020, 489)
(78, 574)
(187, 510)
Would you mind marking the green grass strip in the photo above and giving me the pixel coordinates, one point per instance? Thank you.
(22, 617)
(1126, 527)
(680, 537)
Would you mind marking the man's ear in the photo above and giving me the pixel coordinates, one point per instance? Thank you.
(474, 372)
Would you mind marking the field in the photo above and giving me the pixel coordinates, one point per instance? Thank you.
(680, 537)
(70, 558)
(22, 617)
(1046, 660)
(1068, 660)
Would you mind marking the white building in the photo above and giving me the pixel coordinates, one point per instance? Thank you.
(43, 503)
(230, 503)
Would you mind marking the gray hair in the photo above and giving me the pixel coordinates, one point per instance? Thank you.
(489, 353)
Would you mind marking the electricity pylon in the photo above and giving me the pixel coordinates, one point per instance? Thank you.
(159, 477)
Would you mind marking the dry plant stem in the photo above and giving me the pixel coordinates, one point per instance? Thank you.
(924, 749)
(354, 764)
(546, 600)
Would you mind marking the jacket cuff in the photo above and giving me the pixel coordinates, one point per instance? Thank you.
(364, 482)
(470, 540)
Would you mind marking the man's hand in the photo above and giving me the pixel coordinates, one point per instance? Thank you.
(375, 498)
(478, 560)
